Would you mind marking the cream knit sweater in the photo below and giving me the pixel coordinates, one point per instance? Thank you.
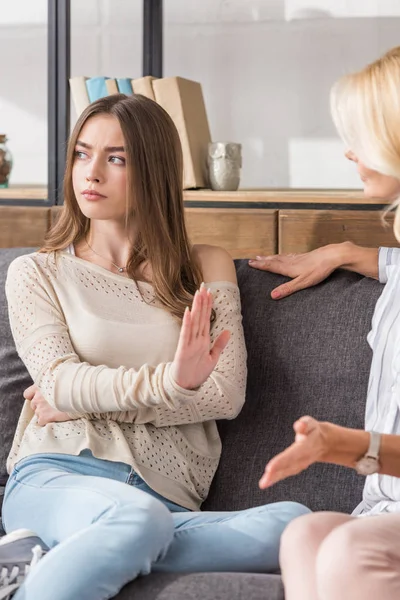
(100, 346)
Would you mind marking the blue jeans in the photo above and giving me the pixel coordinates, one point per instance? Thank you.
(107, 527)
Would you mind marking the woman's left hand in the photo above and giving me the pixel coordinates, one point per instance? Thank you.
(44, 412)
(195, 358)
(310, 445)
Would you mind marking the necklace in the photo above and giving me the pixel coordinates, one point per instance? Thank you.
(119, 269)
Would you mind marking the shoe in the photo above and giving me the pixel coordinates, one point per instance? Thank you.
(20, 551)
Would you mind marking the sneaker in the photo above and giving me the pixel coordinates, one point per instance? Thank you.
(20, 551)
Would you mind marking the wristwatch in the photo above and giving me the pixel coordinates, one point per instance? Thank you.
(369, 463)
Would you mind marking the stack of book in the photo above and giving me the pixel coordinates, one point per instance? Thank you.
(181, 98)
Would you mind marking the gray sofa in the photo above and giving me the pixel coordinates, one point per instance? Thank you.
(307, 354)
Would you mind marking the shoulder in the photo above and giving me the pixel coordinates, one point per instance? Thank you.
(22, 263)
(30, 267)
(215, 263)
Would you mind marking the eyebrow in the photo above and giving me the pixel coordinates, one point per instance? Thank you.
(107, 149)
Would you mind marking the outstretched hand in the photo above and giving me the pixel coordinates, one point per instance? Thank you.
(305, 270)
(195, 358)
(310, 446)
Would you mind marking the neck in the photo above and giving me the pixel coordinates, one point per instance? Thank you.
(112, 240)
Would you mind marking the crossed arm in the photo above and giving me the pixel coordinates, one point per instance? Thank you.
(168, 394)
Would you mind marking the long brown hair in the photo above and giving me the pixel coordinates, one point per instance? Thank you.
(154, 196)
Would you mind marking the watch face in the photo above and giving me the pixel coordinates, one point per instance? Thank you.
(367, 466)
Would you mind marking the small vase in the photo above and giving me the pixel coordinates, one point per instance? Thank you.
(5, 162)
(224, 165)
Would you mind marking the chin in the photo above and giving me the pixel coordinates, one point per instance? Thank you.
(93, 212)
(371, 191)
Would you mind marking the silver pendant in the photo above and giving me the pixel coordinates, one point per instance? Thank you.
(121, 270)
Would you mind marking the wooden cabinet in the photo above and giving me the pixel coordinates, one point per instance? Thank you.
(246, 223)
(304, 230)
(243, 232)
(23, 226)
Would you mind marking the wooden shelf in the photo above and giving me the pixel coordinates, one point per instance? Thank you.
(250, 196)
(24, 192)
(282, 196)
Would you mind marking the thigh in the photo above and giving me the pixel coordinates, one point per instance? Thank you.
(246, 540)
(361, 559)
(381, 533)
(56, 503)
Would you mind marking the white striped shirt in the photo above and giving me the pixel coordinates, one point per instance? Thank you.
(382, 492)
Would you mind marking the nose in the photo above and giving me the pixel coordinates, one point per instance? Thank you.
(94, 170)
(90, 178)
(351, 156)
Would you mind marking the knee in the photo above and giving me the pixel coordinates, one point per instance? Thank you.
(345, 559)
(298, 535)
(146, 523)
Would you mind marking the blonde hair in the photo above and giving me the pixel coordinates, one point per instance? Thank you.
(365, 108)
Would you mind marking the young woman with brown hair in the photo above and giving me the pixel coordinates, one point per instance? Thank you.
(117, 445)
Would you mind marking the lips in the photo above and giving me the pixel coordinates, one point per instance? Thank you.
(92, 195)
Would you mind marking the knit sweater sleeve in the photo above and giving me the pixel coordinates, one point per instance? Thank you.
(222, 395)
(42, 340)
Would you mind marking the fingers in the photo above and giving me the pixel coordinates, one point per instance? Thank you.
(195, 315)
(289, 288)
(281, 466)
(275, 264)
(184, 337)
(207, 315)
(196, 322)
(201, 313)
(204, 309)
(219, 345)
(30, 392)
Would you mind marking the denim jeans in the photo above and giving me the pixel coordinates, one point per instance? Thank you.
(105, 527)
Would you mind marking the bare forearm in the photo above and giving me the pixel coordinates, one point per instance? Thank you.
(358, 259)
(347, 446)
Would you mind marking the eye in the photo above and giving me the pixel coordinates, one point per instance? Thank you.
(80, 154)
(117, 160)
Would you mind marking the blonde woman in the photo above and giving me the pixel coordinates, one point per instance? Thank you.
(117, 443)
(331, 556)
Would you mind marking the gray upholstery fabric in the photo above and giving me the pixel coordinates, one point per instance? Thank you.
(14, 377)
(307, 355)
(205, 586)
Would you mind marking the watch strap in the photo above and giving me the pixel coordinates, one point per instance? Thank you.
(374, 445)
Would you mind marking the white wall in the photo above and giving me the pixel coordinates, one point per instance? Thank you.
(266, 67)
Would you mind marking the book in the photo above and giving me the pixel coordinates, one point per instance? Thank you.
(96, 87)
(112, 87)
(124, 86)
(183, 100)
(144, 86)
(79, 93)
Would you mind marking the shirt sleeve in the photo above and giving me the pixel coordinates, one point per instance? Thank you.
(222, 395)
(388, 260)
(69, 385)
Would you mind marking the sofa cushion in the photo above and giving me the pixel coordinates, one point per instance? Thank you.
(14, 377)
(204, 586)
(307, 354)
